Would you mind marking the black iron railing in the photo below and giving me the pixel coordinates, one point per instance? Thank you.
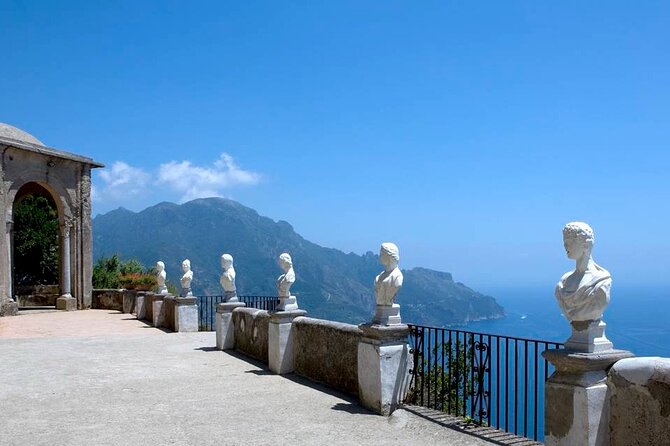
(268, 303)
(207, 307)
(206, 311)
(492, 380)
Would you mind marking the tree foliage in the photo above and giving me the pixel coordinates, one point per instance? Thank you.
(108, 271)
(35, 241)
(445, 383)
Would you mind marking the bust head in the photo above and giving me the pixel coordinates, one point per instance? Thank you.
(160, 266)
(226, 261)
(578, 239)
(389, 255)
(186, 265)
(285, 261)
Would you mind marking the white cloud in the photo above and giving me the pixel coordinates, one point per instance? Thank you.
(192, 181)
(121, 182)
(135, 188)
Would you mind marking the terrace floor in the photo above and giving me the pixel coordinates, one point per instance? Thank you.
(101, 377)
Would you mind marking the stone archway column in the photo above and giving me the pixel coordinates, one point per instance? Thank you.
(7, 305)
(10, 261)
(66, 301)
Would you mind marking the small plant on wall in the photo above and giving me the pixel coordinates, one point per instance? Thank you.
(137, 281)
(113, 272)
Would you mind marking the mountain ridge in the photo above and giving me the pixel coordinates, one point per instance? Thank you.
(330, 283)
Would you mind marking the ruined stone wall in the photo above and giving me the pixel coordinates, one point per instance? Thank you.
(108, 299)
(327, 352)
(639, 402)
(251, 332)
(114, 299)
(37, 295)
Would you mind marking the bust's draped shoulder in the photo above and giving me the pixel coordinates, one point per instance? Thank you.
(387, 286)
(397, 277)
(591, 297)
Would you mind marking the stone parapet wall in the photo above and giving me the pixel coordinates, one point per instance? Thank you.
(148, 307)
(251, 332)
(169, 310)
(327, 352)
(114, 299)
(639, 402)
(107, 299)
(37, 295)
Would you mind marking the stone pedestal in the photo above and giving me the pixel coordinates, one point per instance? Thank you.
(588, 336)
(157, 313)
(289, 303)
(9, 308)
(129, 300)
(383, 366)
(140, 305)
(225, 330)
(639, 402)
(169, 307)
(387, 315)
(186, 314)
(280, 340)
(231, 296)
(66, 303)
(576, 403)
(149, 306)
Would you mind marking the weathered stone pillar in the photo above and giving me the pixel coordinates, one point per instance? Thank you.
(280, 340)
(85, 248)
(383, 366)
(157, 313)
(186, 314)
(576, 399)
(140, 304)
(9, 243)
(7, 305)
(66, 301)
(129, 299)
(169, 307)
(225, 329)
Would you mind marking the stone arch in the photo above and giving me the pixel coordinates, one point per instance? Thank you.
(63, 200)
(54, 187)
(44, 294)
(25, 160)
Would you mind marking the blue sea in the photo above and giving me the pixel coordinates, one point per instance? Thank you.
(638, 319)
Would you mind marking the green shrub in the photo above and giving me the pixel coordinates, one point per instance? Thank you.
(112, 272)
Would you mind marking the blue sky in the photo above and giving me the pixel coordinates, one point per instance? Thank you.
(467, 132)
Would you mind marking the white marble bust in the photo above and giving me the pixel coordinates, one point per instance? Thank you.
(160, 277)
(285, 281)
(227, 280)
(584, 292)
(389, 281)
(186, 278)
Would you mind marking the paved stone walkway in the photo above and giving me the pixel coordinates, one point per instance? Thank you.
(101, 378)
(59, 324)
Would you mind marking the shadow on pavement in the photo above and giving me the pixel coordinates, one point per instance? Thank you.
(207, 349)
(259, 372)
(352, 408)
(489, 434)
(349, 405)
